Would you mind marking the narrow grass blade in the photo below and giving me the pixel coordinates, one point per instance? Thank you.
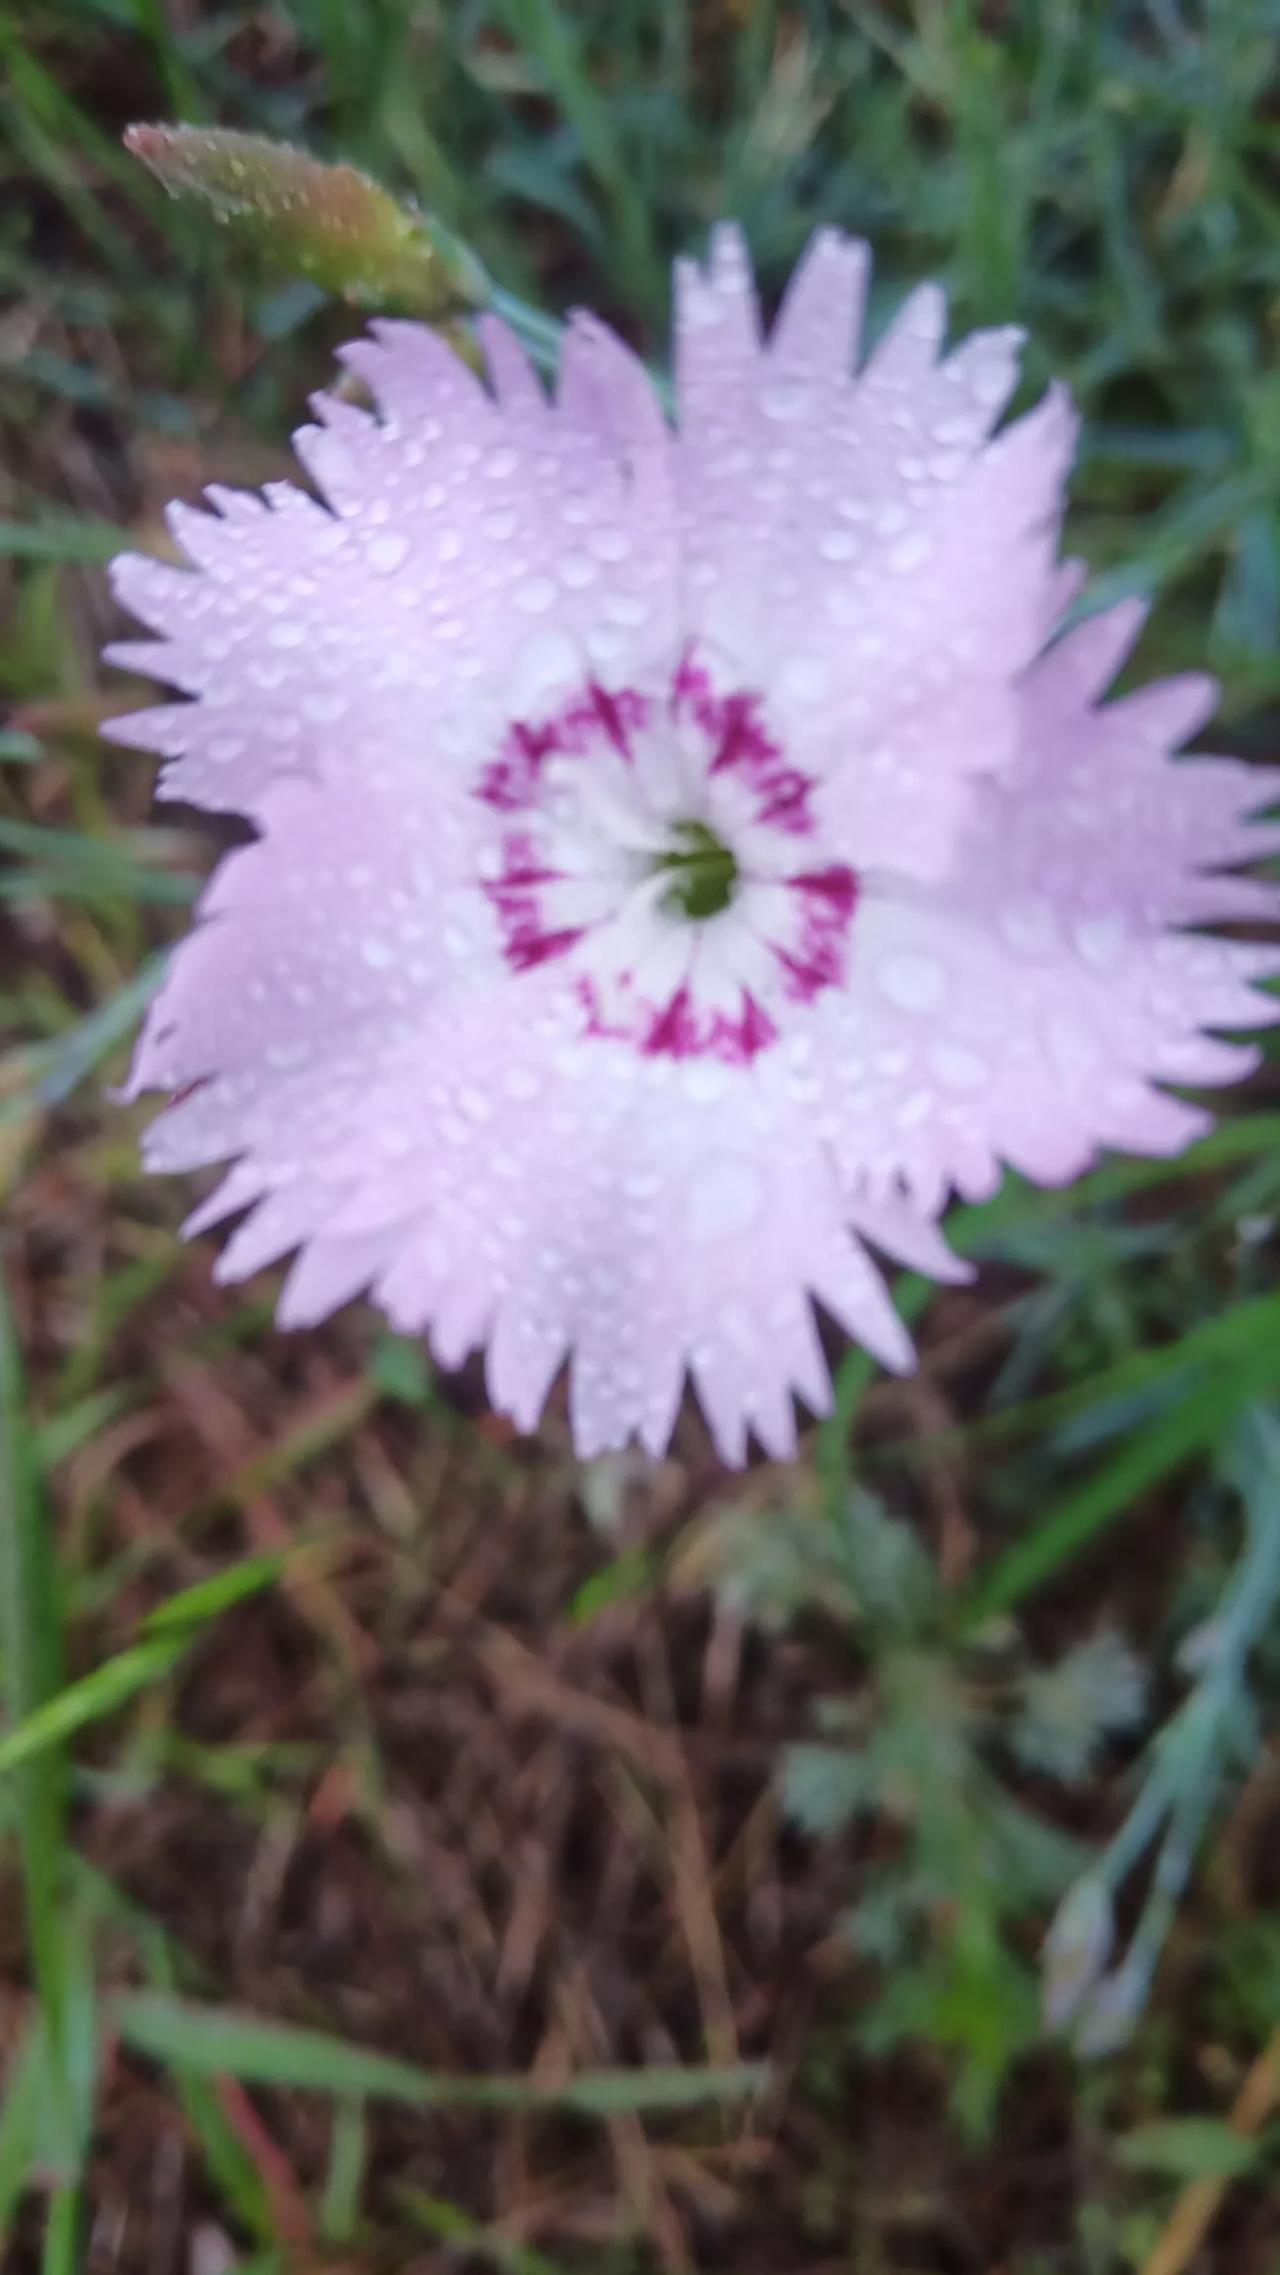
(193, 1608)
(450, 2224)
(100, 1693)
(1071, 1522)
(31, 1624)
(549, 35)
(167, 1633)
(339, 2216)
(59, 1067)
(65, 538)
(218, 2041)
(19, 2126)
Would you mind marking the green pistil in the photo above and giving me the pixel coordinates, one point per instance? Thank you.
(702, 871)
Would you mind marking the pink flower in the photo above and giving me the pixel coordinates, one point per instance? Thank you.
(683, 858)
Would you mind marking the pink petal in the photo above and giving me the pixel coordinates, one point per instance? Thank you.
(1026, 1011)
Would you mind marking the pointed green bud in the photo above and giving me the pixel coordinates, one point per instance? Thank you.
(328, 223)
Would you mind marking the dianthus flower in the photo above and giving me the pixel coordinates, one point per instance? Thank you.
(685, 854)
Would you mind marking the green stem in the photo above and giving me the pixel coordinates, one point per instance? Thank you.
(540, 334)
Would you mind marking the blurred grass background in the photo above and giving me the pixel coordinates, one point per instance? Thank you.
(432, 1855)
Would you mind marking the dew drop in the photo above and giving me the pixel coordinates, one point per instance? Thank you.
(806, 678)
(958, 1068)
(915, 1109)
(610, 544)
(576, 570)
(705, 1080)
(387, 552)
(914, 983)
(323, 709)
(910, 552)
(989, 382)
(1028, 926)
(535, 595)
(784, 402)
(626, 608)
(1071, 1046)
(1099, 940)
(726, 1198)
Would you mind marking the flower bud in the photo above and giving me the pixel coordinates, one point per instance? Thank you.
(329, 223)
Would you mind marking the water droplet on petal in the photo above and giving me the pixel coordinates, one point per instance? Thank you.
(725, 1198)
(576, 570)
(1099, 939)
(910, 552)
(1028, 926)
(784, 402)
(958, 1068)
(535, 595)
(387, 552)
(914, 983)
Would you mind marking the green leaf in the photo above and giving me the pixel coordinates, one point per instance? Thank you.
(629, 1575)
(220, 2041)
(399, 1369)
(825, 1788)
(1189, 2148)
(18, 748)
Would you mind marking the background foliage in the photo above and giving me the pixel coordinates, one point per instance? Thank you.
(434, 1855)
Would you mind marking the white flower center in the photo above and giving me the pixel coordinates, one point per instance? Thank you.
(663, 846)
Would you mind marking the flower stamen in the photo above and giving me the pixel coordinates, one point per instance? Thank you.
(702, 871)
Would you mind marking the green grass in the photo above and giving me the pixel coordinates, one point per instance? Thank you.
(1103, 175)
